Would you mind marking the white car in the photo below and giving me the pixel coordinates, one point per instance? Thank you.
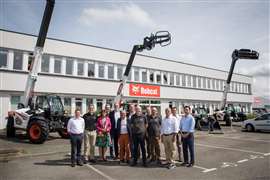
(259, 123)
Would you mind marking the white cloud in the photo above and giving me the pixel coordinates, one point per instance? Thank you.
(130, 13)
(262, 70)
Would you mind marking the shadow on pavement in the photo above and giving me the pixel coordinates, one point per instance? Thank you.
(58, 162)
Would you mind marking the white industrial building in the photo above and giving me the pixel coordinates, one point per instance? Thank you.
(82, 74)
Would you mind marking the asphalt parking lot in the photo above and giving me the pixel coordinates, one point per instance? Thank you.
(232, 155)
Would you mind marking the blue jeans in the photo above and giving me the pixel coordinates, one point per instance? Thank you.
(76, 145)
(188, 148)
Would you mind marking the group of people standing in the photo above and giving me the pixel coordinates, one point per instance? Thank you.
(132, 134)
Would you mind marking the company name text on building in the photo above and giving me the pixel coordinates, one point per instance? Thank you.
(144, 90)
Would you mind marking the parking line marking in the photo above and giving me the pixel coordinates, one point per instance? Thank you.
(233, 149)
(239, 138)
(224, 166)
(199, 167)
(205, 170)
(99, 172)
(209, 170)
(266, 154)
(243, 160)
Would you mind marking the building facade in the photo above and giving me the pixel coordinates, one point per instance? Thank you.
(83, 74)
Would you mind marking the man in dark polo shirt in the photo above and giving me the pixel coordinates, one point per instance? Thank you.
(90, 134)
(138, 127)
(154, 126)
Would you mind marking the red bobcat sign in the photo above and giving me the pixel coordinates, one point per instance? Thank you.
(144, 90)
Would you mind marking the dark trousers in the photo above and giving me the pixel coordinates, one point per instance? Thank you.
(178, 145)
(148, 147)
(76, 145)
(139, 139)
(114, 150)
(188, 148)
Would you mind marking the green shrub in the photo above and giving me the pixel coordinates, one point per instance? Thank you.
(251, 115)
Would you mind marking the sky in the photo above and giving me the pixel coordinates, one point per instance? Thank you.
(203, 32)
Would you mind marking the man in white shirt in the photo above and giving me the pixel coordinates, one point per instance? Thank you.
(75, 129)
(169, 130)
(178, 135)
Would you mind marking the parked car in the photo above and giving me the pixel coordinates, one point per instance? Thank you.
(259, 123)
(259, 111)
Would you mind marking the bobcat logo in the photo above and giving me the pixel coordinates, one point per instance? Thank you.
(135, 89)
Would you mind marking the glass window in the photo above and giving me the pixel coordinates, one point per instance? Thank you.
(183, 80)
(171, 79)
(120, 72)
(67, 105)
(136, 74)
(144, 76)
(30, 60)
(99, 105)
(69, 66)
(18, 60)
(110, 71)
(3, 57)
(165, 78)
(101, 70)
(223, 85)
(151, 77)
(45, 63)
(89, 101)
(177, 80)
(213, 84)
(91, 69)
(218, 84)
(57, 64)
(80, 68)
(208, 83)
(204, 83)
(249, 89)
(78, 103)
(199, 82)
(194, 84)
(14, 101)
(158, 77)
(188, 80)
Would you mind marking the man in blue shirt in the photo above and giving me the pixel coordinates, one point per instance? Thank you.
(187, 125)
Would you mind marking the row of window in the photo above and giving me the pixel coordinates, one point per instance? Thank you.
(95, 69)
(100, 103)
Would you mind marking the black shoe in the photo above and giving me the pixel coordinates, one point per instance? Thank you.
(79, 163)
(145, 164)
(134, 163)
(127, 161)
(72, 164)
(84, 161)
(184, 164)
(190, 165)
(180, 160)
(92, 161)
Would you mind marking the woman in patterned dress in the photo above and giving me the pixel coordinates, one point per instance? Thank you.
(103, 134)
